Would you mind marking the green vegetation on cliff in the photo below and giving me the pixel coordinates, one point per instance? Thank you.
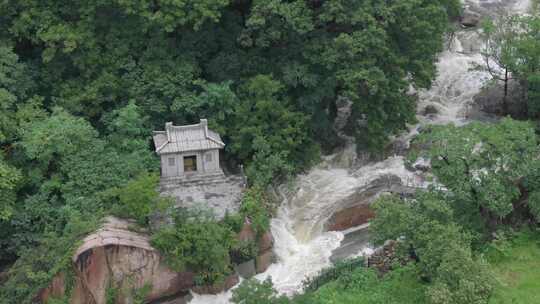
(83, 84)
(457, 236)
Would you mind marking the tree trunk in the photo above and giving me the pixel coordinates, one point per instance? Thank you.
(505, 97)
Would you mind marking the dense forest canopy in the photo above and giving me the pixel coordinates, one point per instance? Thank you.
(83, 84)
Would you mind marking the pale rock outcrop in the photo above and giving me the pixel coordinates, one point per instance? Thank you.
(355, 209)
(115, 256)
(470, 18)
(264, 260)
(266, 254)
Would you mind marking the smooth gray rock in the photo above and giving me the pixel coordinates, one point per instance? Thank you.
(247, 269)
(470, 18)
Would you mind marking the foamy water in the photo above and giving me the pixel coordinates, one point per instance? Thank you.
(302, 246)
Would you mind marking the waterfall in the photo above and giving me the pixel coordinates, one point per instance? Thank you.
(302, 246)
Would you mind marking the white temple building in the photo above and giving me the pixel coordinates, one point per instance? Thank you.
(188, 151)
(191, 171)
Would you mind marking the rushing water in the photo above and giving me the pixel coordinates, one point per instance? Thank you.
(302, 246)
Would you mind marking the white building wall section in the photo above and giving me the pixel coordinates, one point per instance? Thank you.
(172, 165)
(211, 160)
(169, 165)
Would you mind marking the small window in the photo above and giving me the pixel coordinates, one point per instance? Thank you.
(208, 157)
(190, 163)
(172, 161)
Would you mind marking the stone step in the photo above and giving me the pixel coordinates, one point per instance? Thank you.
(198, 181)
(169, 186)
(194, 178)
(201, 180)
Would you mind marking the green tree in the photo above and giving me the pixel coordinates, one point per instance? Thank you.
(255, 207)
(254, 292)
(39, 263)
(199, 244)
(16, 87)
(216, 101)
(91, 57)
(427, 227)
(268, 135)
(513, 47)
(52, 139)
(483, 165)
(139, 199)
(500, 50)
(10, 179)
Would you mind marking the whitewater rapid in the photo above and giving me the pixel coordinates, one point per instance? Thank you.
(302, 246)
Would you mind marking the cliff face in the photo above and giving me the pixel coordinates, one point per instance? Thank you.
(115, 256)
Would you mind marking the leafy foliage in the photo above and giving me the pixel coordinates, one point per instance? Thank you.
(198, 244)
(485, 174)
(139, 199)
(82, 84)
(513, 46)
(254, 292)
(483, 165)
(40, 263)
(244, 251)
(9, 180)
(255, 207)
(427, 226)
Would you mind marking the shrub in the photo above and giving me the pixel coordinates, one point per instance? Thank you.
(38, 265)
(341, 270)
(235, 221)
(199, 244)
(139, 198)
(254, 292)
(255, 208)
(244, 251)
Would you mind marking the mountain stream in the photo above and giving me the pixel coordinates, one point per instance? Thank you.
(302, 245)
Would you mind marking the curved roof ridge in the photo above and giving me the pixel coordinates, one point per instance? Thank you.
(186, 138)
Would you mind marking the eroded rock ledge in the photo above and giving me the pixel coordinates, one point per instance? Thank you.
(116, 256)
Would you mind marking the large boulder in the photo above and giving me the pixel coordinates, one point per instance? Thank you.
(266, 242)
(264, 260)
(247, 234)
(115, 257)
(350, 217)
(246, 269)
(490, 101)
(354, 209)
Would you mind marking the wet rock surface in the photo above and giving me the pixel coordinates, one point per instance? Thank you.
(490, 100)
(355, 211)
(353, 244)
(264, 260)
(350, 217)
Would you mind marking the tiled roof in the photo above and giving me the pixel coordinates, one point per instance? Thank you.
(186, 138)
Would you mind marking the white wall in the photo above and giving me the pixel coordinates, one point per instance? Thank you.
(166, 170)
(204, 164)
(211, 160)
